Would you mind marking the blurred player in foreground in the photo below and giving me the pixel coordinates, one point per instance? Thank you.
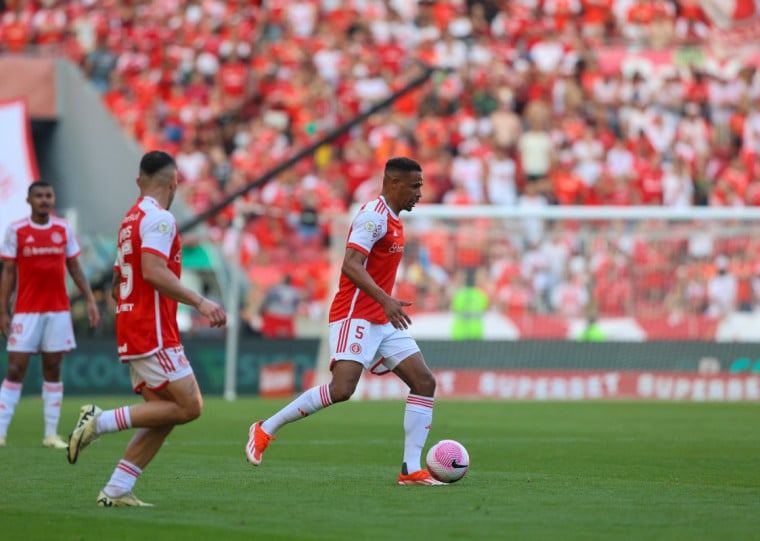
(147, 289)
(368, 325)
(37, 250)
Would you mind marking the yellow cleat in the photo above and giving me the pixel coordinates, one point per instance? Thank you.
(125, 500)
(84, 431)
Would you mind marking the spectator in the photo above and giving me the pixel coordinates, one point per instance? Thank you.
(279, 309)
(677, 185)
(501, 178)
(468, 306)
(721, 290)
(100, 63)
(535, 147)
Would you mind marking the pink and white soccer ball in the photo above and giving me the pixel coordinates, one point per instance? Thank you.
(448, 461)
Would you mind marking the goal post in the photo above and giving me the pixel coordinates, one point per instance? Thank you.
(614, 288)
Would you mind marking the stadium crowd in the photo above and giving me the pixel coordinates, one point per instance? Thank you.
(538, 102)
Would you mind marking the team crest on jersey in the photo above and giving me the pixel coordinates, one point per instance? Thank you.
(355, 348)
(56, 237)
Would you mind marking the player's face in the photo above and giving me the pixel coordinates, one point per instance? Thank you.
(410, 190)
(42, 201)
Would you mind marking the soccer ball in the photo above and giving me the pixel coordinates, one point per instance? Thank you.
(448, 461)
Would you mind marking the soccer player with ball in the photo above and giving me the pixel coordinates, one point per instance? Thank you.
(368, 327)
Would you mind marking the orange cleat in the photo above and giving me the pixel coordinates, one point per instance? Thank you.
(420, 477)
(257, 443)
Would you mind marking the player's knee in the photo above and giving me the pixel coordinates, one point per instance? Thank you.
(425, 385)
(191, 411)
(15, 373)
(340, 393)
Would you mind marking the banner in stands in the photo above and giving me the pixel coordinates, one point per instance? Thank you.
(519, 370)
(573, 385)
(18, 165)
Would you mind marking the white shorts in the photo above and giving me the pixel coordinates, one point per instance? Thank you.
(46, 331)
(157, 371)
(379, 347)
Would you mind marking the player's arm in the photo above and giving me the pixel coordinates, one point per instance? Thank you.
(156, 272)
(353, 268)
(7, 282)
(75, 270)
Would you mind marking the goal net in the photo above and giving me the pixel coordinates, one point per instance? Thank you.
(592, 290)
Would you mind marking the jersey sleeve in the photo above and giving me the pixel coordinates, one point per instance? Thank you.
(157, 231)
(368, 226)
(72, 246)
(9, 248)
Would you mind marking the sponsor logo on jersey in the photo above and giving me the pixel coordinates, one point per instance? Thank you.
(46, 250)
(396, 248)
(123, 348)
(131, 218)
(29, 239)
(125, 307)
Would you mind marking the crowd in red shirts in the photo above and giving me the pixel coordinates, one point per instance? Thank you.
(541, 102)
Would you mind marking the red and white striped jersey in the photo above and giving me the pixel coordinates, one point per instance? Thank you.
(379, 234)
(146, 321)
(40, 253)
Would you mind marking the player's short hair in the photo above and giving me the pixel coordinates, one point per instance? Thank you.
(154, 161)
(38, 184)
(403, 164)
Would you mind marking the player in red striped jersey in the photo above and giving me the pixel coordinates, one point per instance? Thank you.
(38, 250)
(147, 289)
(368, 326)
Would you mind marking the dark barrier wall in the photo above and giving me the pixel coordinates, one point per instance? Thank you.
(93, 368)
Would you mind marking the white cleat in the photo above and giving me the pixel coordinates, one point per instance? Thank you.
(54, 442)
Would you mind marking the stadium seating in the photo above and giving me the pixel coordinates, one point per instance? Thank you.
(574, 103)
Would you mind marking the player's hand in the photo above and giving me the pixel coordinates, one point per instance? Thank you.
(93, 314)
(213, 312)
(394, 311)
(5, 325)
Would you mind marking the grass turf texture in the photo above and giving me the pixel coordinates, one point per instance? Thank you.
(593, 470)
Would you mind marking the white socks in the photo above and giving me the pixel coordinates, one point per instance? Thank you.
(418, 416)
(309, 402)
(52, 396)
(123, 479)
(9, 396)
(113, 421)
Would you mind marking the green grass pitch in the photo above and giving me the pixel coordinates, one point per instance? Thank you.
(554, 471)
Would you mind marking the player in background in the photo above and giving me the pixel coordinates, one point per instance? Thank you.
(368, 327)
(147, 289)
(37, 251)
